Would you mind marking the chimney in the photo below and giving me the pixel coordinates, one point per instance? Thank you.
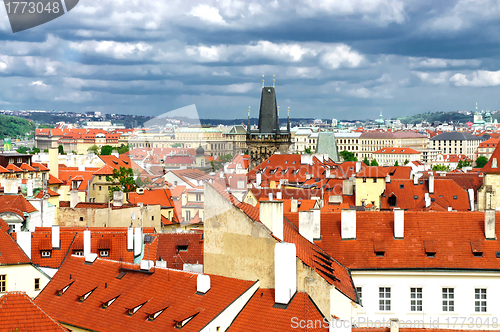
(327, 173)
(161, 264)
(115, 153)
(24, 241)
(74, 198)
(54, 162)
(117, 198)
(258, 179)
(90, 258)
(348, 187)
(279, 195)
(431, 183)
(394, 325)
(29, 188)
(202, 283)
(489, 224)
(271, 215)
(306, 159)
(471, 198)
(388, 178)
(348, 222)
(306, 224)
(130, 239)
(147, 265)
(10, 186)
(294, 205)
(358, 166)
(270, 196)
(285, 272)
(138, 241)
(86, 243)
(56, 235)
(399, 224)
(494, 163)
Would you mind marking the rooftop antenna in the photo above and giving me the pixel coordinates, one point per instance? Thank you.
(274, 81)
(262, 80)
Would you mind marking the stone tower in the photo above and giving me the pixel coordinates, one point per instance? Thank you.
(268, 139)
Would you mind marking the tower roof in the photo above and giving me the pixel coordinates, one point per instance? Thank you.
(268, 116)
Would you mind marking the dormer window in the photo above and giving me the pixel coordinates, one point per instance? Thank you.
(78, 252)
(179, 323)
(46, 253)
(86, 295)
(133, 310)
(152, 317)
(104, 253)
(64, 289)
(109, 302)
(183, 248)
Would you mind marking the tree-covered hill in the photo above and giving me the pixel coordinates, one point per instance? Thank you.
(431, 117)
(11, 126)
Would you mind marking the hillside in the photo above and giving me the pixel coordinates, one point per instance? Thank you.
(431, 117)
(11, 126)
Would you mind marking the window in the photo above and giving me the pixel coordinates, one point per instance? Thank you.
(416, 299)
(182, 247)
(364, 180)
(104, 253)
(359, 290)
(375, 180)
(198, 197)
(188, 215)
(81, 218)
(100, 177)
(392, 200)
(37, 284)
(480, 303)
(384, 294)
(3, 283)
(100, 187)
(46, 253)
(448, 299)
(78, 252)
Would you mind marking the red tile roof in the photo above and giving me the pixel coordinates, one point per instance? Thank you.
(50, 192)
(13, 168)
(488, 168)
(16, 202)
(162, 289)
(123, 161)
(40, 166)
(370, 172)
(168, 251)
(54, 180)
(105, 170)
(452, 233)
(71, 239)
(260, 314)
(4, 226)
(10, 252)
(18, 312)
(26, 167)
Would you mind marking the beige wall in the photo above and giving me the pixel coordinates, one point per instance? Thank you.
(91, 217)
(488, 194)
(22, 278)
(369, 191)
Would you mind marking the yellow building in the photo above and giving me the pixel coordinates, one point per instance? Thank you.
(370, 184)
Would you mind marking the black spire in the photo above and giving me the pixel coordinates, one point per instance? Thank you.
(268, 116)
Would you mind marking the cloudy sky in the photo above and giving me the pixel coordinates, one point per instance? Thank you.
(345, 59)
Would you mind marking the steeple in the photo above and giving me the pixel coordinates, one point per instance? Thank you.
(268, 116)
(248, 126)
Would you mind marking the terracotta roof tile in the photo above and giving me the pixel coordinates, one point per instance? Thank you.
(10, 252)
(17, 202)
(260, 315)
(172, 290)
(50, 192)
(16, 307)
(168, 250)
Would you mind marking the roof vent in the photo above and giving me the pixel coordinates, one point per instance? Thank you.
(90, 258)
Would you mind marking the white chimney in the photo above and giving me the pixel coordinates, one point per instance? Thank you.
(348, 221)
(10, 186)
(431, 183)
(130, 239)
(358, 166)
(90, 258)
(138, 241)
(471, 199)
(74, 199)
(24, 241)
(494, 163)
(388, 178)
(54, 162)
(56, 242)
(115, 153)
(489, 224)
(279, 195)
(81, 168)
(285, 272)
(415, 179)
(86, 243)
(327, 173)
(203, 283)
(399, 224)
(306, 159)
(29, 188)
(271, 215)
(427, 200)
(147, 265)
(306, 224)
(161, 264)
(394, 325)
(258, 179)
(270, 196)
(118, 198)
(294, 205)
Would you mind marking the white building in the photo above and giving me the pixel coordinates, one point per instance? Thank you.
(389, 156)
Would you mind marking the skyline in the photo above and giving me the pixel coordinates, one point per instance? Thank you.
(332, 59)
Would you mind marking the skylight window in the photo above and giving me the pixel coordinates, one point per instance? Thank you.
(86, 295)
(64, 289)
(133, 310)
(153, 316)
(109, 302)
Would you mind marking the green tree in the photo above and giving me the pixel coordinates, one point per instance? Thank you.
(94, 148)
(366, 161)
(142, 181)
(219, 162)
(177, 145)
(396, 163)
(441, 168)
(307, 150)
(122, 180)
(406, 161)
(123, 149)
(348, 156)
(22, 150)
(60, 149)
(106, 150)
(464, 163)
(481, 161)
(374, 162)
(36, 150)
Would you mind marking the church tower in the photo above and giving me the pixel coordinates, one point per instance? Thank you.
(268, 138)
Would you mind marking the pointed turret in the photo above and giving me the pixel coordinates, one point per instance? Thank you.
(268, 116)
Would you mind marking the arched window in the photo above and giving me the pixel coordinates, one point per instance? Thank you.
(392, 200)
